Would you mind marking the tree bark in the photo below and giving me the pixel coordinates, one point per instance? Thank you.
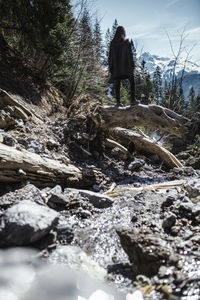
(144, 144)
(150, 116)
(18, 166)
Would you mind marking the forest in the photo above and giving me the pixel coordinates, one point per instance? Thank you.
(104, 194)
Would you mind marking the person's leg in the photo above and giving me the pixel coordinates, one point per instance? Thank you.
(132, 86)
(117, 91)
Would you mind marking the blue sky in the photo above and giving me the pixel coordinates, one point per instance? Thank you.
(146, 22)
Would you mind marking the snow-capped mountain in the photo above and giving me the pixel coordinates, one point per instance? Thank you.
(191, 72)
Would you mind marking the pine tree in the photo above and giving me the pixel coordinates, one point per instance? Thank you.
(157, 83)
(98, 46)
(86, 39)
(39, 30)
(134, 51)
(114, 27)
(107, 46)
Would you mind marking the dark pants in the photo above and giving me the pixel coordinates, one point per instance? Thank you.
(132, 87)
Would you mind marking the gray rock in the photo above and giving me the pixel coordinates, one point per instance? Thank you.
(169, 221)
(136, 164)
(65, 233)
(97, 199)
(168, 201)
(28, 192)
(26, 222)
(16, 272)
(76, 259)
(190, 211)
(146, 251)
(193, 187)
(9, 140)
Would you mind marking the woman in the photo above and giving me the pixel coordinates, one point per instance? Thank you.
(121, 63)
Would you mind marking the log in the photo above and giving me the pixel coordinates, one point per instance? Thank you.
(18, 166)
(150, 116)
(145, 144)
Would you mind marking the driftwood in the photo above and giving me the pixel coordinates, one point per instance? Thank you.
(157, 187)
(150, 116)
(17, 166)
(145, 144)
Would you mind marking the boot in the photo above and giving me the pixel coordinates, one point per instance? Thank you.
(119, 104)
(134, 102)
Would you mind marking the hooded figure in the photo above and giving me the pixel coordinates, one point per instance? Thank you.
(121, 63)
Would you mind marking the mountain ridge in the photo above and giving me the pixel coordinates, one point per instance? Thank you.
(191, 70)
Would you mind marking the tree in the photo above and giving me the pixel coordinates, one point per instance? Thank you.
(114, 27)
(134, 51)
(98, 46)
(39, 30)
(157, 84)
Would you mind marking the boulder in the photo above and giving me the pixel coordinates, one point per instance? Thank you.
(96, 199)
(26, 222)
(77, 259)
(146, 250)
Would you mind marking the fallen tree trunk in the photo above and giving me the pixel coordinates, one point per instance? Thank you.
(150, 116)
(144, 144)
(18, 166)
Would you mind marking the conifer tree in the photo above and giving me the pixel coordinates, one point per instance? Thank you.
(39, 30)
(157, 83)
(114, 27)
(107, 46)
(98, 44)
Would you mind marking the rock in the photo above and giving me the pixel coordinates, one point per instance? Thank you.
(190, 210)
(61, 283)
(193, 187)
(56, 198)
(52, 143)
(6, 121)
(26, 222)
(28, 192)
(168, 222)
(76, 259)
(17, 272)
(168, 201)
(146, 251)
(65, 233)
(97, 199)
(9, 140)
(183, 155)
(136, 164)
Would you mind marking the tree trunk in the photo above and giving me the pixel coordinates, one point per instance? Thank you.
(144, 144)
(17, 166)
(150, 116)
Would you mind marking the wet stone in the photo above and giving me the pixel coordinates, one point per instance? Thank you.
(168, 222)
(136, 164)
(146, 251)
(96, 199)
(193, 188)
(26, 222)
(168, 202)
(64, 231)
(9, 140)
